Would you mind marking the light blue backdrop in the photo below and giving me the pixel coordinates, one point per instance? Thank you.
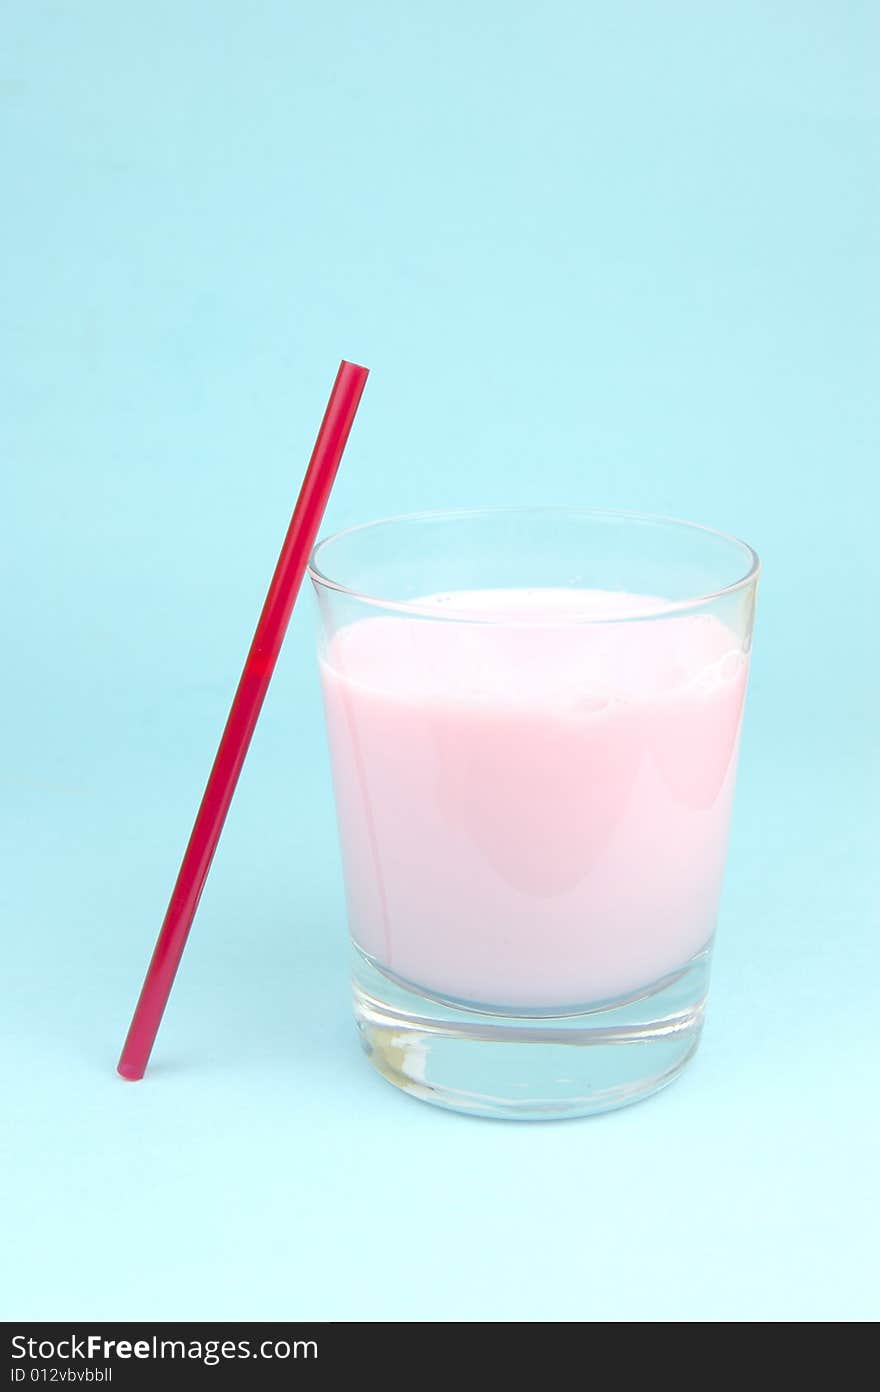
(593, 253)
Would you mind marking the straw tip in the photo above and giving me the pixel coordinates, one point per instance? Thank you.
(129, 1071)
(355, 367)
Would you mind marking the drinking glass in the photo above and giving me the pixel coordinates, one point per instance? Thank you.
(533, 717)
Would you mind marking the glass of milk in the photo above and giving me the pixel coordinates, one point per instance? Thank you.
(533, 717)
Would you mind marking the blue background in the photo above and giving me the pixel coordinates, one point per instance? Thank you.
(593, 253)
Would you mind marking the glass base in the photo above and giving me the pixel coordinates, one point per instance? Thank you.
(535, 1066)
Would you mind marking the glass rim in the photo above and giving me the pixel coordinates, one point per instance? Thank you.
(324, 581)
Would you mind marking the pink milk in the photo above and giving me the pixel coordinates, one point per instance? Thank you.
(533, 810)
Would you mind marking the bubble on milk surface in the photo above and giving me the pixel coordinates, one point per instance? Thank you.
(593, 701)
(730, 665)
(719, 673)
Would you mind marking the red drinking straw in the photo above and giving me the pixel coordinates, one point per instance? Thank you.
(247, 703)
